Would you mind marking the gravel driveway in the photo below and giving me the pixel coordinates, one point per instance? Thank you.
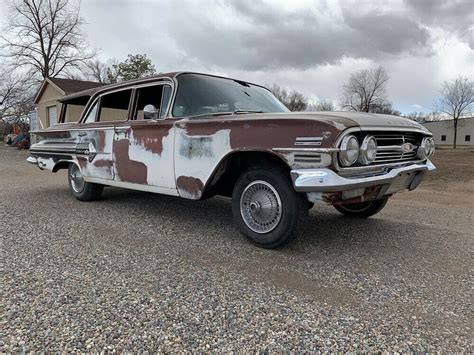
(142, 271)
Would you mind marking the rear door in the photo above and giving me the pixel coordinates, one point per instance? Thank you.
(143, 147)
(94, 150)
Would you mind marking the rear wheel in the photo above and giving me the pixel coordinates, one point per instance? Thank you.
(363, 209)
(82, 190)
(266, 208)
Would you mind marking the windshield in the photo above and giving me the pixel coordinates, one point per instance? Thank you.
(201, 94)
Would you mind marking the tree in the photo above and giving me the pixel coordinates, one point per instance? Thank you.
(366, 90)
(386, 109)
(457, 98)
(293, 100)
(16, 97)
(44, 36)
(134, 67)
(324, 105)
(95, 70)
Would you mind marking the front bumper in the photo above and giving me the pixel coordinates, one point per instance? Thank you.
(327, 186)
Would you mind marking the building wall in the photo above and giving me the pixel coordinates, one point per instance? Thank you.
(446, 128)
(48, 98)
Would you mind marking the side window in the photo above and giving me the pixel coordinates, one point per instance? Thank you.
(114, 106)
(92, 113)
(467, 138)
(152, 102)
(443, 138)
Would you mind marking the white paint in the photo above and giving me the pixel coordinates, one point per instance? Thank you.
(160, 170)
(200, 167)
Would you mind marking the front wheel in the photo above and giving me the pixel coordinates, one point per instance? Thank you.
(82, 190)
(363, 209)
(266, 208)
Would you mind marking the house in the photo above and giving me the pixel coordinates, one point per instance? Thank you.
(53, 89)
(443, 132)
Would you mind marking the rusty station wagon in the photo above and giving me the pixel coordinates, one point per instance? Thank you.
(195, 136)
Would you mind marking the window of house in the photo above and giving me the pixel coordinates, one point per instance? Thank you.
(158, 96)
(114, 106)
(467, 138)
(52, 115)
(443, 138)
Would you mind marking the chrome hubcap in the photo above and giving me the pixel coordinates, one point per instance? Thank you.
(260, 207)
(77, 180)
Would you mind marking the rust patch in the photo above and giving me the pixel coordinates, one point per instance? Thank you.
(150, 140)
(103, 163)
(82, 161)
(128, 170)
(100, 144)
(190, 187)
(335, 198)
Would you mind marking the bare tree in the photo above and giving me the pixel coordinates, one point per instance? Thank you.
(366, 90)
(324, 105)
(16, 97)
(44, 36)
(457, 98)
(96, 70)
(293, 100)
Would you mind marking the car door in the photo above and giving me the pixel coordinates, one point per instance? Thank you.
(143, 147)
(96, 133)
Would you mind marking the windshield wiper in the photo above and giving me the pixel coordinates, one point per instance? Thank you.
(241, 111)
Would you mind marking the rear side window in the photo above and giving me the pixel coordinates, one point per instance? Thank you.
(114, 106)
(92, 113)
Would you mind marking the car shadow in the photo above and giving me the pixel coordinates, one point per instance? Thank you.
(325, 228)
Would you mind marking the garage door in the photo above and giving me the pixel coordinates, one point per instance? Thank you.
(52, 115)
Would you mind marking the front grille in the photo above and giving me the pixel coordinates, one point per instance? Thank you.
(389, 147)
(393, 147)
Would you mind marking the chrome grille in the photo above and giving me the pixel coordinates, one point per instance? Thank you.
(389, 147)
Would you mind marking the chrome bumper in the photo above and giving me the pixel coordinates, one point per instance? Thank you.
(326, 180)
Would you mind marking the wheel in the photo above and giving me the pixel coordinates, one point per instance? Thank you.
(363, 209)
(266, 208)
(82, 190)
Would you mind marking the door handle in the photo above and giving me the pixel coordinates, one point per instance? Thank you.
(82, 134)
(122, 129)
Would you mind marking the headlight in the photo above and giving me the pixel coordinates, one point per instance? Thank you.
(349, 150)
(368, 150)
(427, 148)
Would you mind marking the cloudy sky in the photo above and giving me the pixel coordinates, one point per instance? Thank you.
(311, 46)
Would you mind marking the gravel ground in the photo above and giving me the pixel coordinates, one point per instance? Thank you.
(139, 271)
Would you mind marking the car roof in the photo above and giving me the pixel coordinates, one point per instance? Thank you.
(124, 84)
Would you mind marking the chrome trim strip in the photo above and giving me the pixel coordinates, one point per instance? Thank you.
(316, 150)
(326, 180)
(32, 160)
(129, 185)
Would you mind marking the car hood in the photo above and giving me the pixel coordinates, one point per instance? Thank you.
(373, 119)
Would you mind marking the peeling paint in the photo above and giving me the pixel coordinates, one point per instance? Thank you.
(189, 187)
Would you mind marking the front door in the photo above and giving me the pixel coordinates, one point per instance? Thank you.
(143, 147)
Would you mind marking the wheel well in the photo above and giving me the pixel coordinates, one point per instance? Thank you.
(231, 167)
(61, 165)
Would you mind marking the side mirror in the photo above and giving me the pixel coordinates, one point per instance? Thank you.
(150, 112)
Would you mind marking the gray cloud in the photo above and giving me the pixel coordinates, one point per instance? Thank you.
(266, 37)
(452, 15)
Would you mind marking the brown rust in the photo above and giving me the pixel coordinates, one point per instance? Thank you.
(150, 134)
(335, 198)
(188, 185)
(128, 170)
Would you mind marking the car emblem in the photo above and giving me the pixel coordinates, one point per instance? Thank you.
(407, 147)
